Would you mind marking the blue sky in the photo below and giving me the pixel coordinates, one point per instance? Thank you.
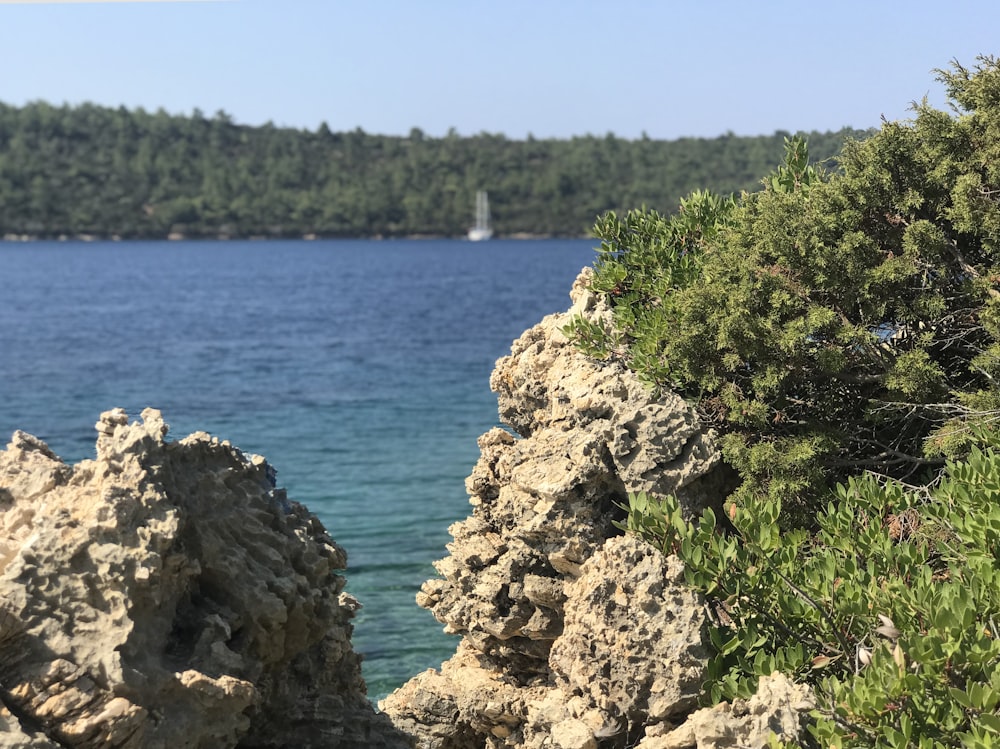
(551, 68)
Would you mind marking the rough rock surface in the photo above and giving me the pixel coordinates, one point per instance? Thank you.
(630, 656)
(590, 432)
(572, 636)
(167, 595)
(632, 641)
(776, 708)
(548, 391)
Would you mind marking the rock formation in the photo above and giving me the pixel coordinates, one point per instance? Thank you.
(776, 708)
(572, 635)
(167, 595)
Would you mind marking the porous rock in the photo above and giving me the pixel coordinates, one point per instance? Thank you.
(652, 442)
(567, 629)
(632, 641)
(166, 594)
(775, 710)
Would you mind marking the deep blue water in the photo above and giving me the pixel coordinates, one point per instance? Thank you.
(360, 369)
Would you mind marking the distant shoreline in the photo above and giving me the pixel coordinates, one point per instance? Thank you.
(93, 173)
(176, 237)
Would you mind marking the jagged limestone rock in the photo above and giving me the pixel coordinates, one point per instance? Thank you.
(652, 443)
(630, 656)
(466, 704)
(632, 641)
(167, 595)
(776, 708)
(544, 500)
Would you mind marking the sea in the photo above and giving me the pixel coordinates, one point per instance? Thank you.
(359, 368)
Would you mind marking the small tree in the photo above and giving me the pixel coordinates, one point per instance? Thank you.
(834, 321)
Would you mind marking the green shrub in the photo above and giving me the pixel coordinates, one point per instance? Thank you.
(891, 609)
(841, 330)
(832, 322)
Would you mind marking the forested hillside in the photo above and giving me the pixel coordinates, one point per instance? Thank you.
(99, 171)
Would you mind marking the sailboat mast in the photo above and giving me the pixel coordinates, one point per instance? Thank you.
(482, 228)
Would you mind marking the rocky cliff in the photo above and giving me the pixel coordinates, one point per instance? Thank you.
(167, 595)
(573, 636)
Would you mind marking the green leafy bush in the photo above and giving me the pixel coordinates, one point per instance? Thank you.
(841, 329)
(832, 322)
(891, 609)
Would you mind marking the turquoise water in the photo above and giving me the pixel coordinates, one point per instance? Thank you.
(360, 369)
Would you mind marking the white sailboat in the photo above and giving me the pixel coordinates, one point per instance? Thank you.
(482, 230)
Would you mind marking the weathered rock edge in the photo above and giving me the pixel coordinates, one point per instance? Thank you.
(573, 636)
(167, 595)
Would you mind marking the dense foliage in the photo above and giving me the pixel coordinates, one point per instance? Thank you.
(829, 322)
(841, 331)
(891, 610)
(93, 170)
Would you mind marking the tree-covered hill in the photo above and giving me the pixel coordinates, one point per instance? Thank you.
(94, 170)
